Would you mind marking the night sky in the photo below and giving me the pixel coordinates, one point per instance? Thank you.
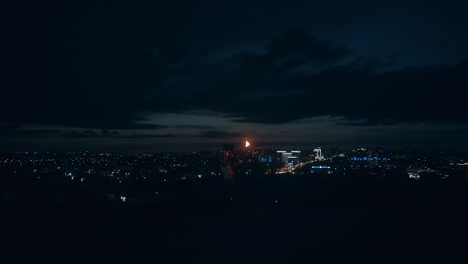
(184, 75)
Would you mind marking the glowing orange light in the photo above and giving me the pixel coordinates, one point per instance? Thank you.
(247, 144)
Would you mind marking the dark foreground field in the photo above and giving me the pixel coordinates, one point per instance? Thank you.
(284, 219)
(150, 234)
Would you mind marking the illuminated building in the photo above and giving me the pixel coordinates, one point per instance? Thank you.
(318, 155)
(261, 155)
(288, 157)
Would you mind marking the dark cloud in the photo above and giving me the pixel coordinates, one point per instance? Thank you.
(8, 132)
(218, 134)
(100, 65)
(193, 126)
(115, 134)
(8, 127)
(81, 134)
(90, 64)
(296, 46)
(356, 90)
(166, 135)
(134, 126)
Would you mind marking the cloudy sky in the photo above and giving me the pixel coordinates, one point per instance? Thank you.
(182, 75)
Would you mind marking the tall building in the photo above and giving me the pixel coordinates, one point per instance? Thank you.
(318, 155)
(289, 157)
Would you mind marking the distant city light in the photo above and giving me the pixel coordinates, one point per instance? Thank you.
(130, 171)
(320, 167)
